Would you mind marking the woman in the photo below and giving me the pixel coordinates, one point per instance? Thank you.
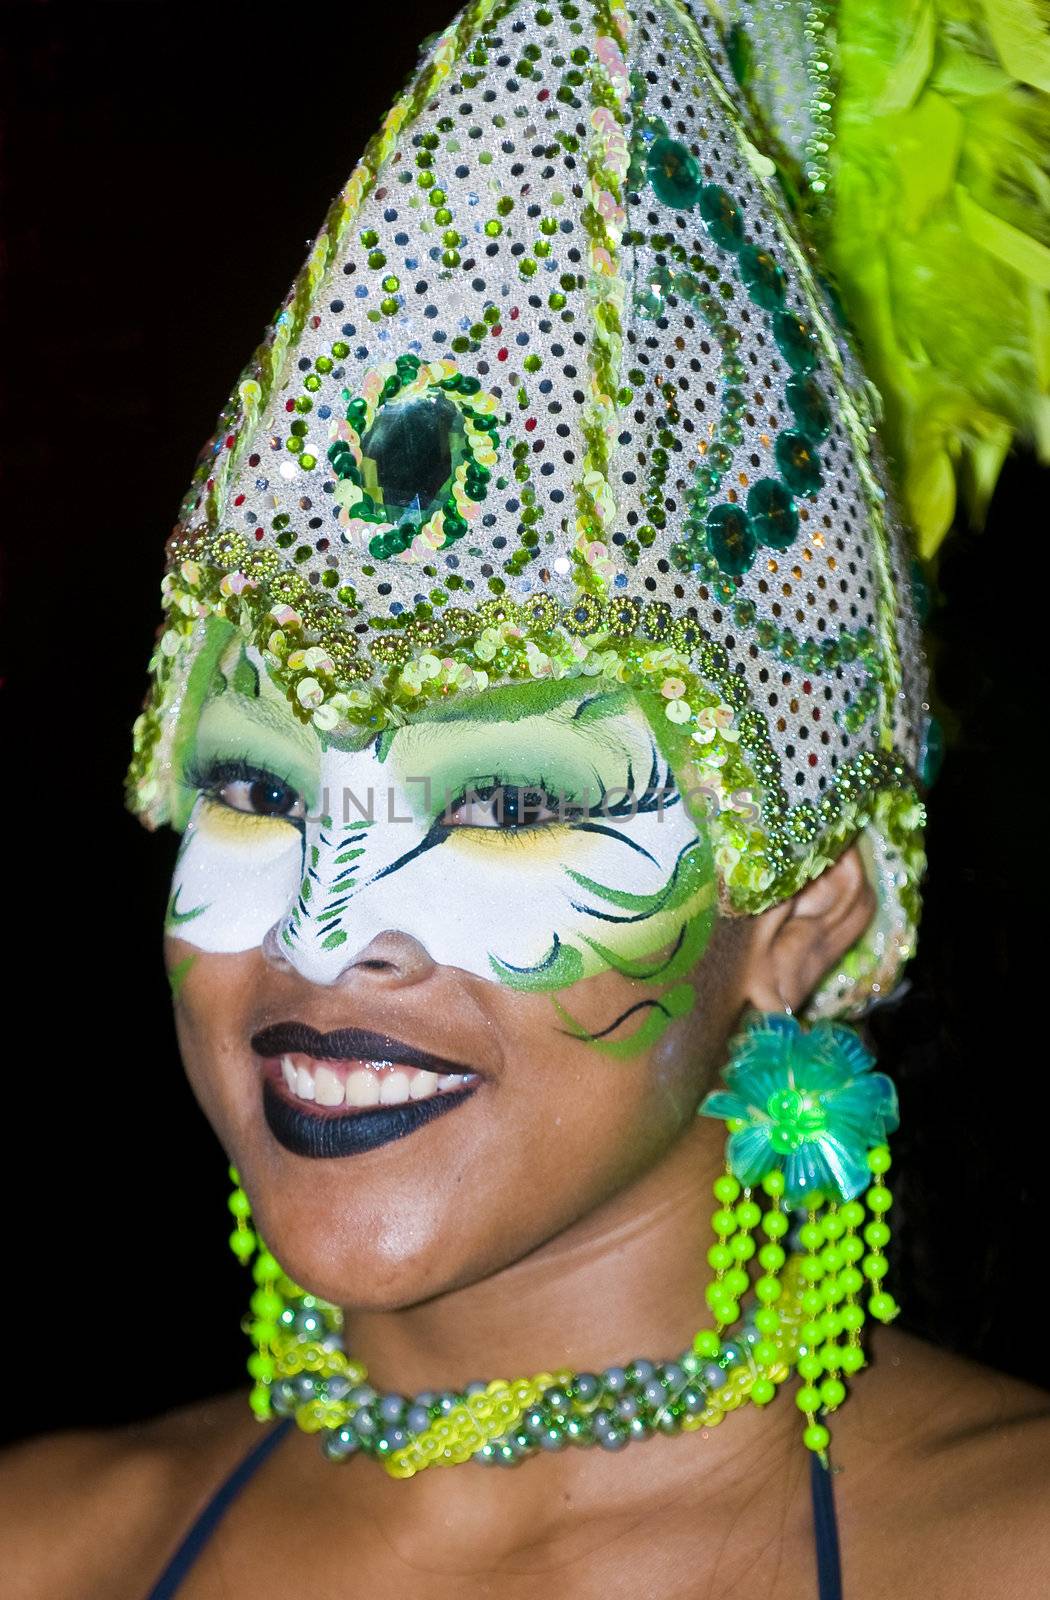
(541, 705)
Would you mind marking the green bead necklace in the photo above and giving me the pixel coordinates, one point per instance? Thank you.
(806, 1317)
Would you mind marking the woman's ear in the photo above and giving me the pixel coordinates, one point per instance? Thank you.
(795, 943)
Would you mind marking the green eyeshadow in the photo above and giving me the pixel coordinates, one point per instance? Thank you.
(573, 760)
(234, 727)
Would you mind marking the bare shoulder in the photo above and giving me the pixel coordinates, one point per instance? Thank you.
(945, 1481)
(93, 1515)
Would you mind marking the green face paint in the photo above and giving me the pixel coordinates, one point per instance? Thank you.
(533, 850)
(178, 975)
(245, 718)
(577, 752)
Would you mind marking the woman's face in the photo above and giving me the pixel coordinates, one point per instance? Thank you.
(445, 989)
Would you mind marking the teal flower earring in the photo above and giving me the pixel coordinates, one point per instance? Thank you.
(803, 1103)
(808, 1121)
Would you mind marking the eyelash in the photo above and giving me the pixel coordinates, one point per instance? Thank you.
(213, 776)
(482, 790)
(633, 801)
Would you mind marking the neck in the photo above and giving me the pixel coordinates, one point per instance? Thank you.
(626, 1282)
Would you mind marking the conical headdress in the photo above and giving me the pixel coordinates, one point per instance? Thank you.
(557, 392)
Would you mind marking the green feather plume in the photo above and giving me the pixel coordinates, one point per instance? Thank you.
(935, 221)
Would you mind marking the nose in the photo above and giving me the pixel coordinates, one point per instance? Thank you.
(393, 959)
(390, 960)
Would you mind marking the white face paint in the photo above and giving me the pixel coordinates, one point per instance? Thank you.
(532, 850)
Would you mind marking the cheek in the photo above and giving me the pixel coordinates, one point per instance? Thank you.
(576, 1123)
(545, 910)
(211, 1021)
(235, 877)
(505, 905)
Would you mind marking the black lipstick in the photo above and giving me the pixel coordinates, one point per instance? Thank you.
(321, 1133)
(347, 1044)
(321, 1138)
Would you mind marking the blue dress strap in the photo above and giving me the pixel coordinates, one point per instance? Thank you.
(170, 1580)
(825, 1527)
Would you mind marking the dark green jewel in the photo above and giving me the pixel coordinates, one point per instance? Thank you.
(542, 612)
(741, 53)
(799, 463)
(713, 660)
(725, 220)
(766, 282)
(624, 615)
(731, 538)
(807, 401)
(795, 340)
(409, 453)
(772, 512)
(687, 635)
(674, 174)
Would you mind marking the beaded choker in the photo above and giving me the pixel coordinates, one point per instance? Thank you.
(805, 1317)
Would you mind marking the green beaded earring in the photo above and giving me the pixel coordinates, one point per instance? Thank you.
(808, 1122)
(275, 1303)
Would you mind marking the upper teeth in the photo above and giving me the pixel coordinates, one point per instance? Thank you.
(337, 1084)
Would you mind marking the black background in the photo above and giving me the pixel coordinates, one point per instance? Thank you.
(165, 168)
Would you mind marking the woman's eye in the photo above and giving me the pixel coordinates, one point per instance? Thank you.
(507, 806)
(263, 797)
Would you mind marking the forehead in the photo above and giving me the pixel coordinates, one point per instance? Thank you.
(243, 691)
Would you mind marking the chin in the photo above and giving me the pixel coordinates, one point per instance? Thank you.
(360, 1243)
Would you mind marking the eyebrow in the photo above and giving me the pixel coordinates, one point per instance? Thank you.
(486, 705)
(491, 705)
(591, 711)
(605, 703)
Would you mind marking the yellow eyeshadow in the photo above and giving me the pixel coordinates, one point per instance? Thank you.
(556, 844)
(245, 829)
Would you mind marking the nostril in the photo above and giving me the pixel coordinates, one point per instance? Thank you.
(389, 958)
(271, 946)
(392, 957)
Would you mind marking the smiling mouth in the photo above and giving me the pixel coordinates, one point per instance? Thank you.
(358, 1086)
(340, 1093)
